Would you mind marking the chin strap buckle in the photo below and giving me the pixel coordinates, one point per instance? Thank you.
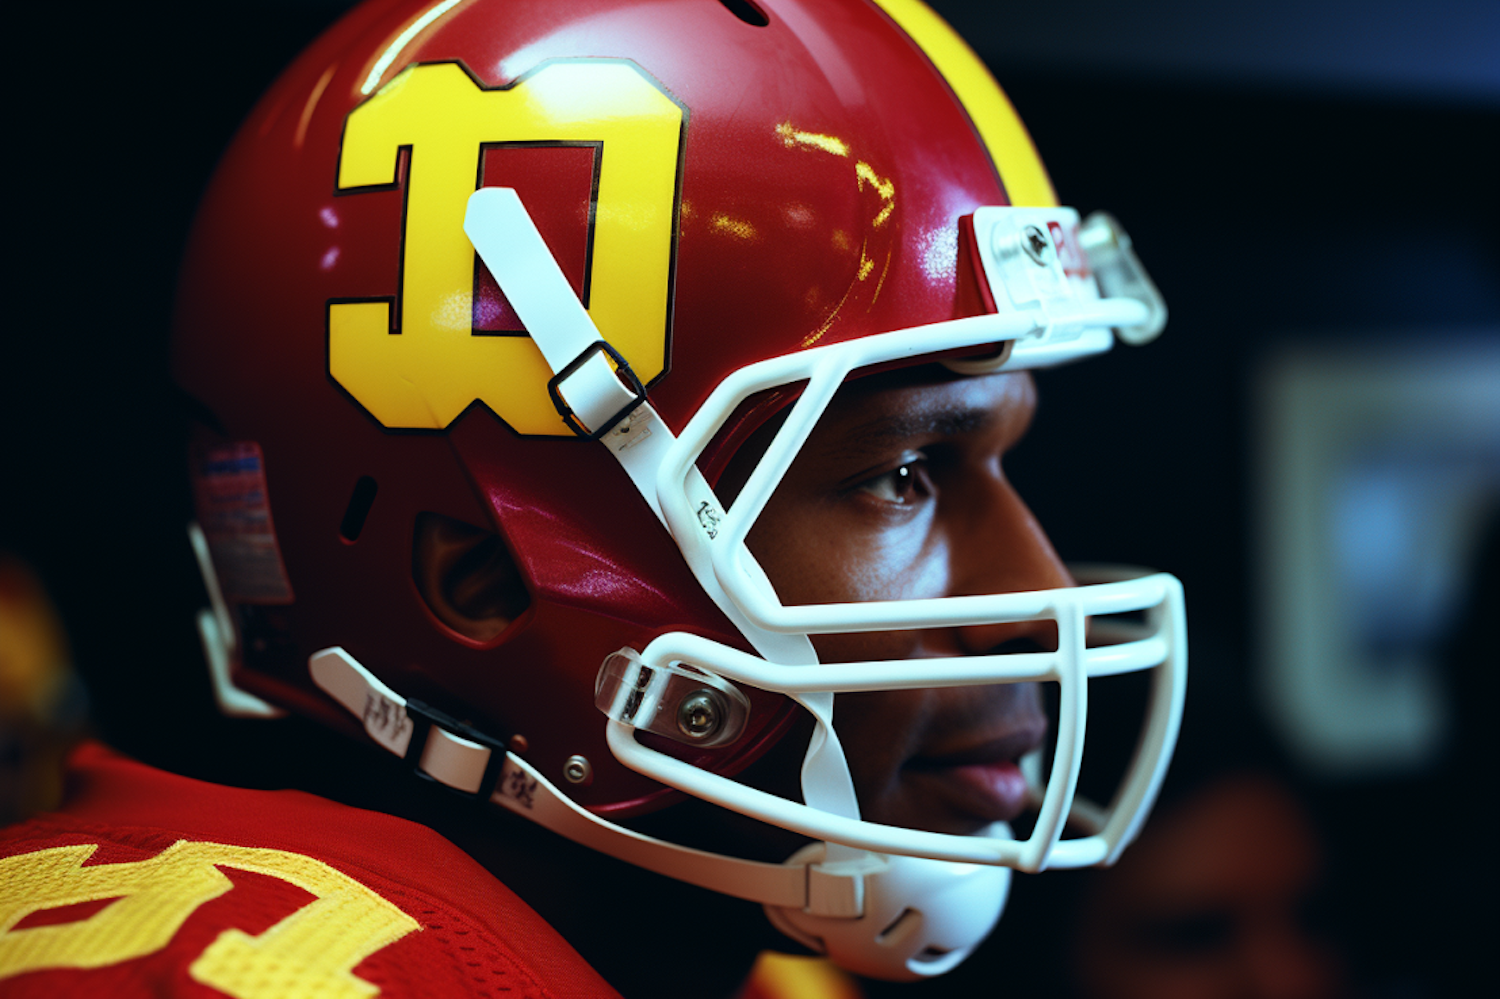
(456, 755)
(603, 401)
(586, 390)
(438, 746)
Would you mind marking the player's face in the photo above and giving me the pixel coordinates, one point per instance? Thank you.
(900, 493)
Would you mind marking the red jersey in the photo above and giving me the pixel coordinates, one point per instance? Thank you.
(150, 884)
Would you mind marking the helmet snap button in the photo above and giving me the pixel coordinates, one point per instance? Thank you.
(700, 714)
(578, 770)
(1036, 244)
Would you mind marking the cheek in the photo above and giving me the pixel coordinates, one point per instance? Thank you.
(868, 646)
(879, 731)
(830, 556)
(899, 565)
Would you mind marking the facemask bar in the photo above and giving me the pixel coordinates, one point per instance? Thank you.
(1061, 314)
(712, 540)
(1158, 646)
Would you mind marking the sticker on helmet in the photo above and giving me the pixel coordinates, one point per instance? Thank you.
(414, 359)
(229, 491)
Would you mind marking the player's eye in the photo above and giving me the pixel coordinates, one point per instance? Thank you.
(901, 485)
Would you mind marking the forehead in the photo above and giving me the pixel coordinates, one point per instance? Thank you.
(924, 403)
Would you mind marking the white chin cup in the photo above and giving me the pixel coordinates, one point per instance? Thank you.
(922, 918)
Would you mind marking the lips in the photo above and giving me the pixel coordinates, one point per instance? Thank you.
(983, 783)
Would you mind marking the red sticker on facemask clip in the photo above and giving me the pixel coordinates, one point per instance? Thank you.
(1069, 253)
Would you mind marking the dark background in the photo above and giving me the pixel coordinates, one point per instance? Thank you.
(1291, 173)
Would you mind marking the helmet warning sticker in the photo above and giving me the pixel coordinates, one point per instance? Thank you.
(229, 491)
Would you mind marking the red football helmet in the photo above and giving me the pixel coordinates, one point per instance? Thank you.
(540, 268)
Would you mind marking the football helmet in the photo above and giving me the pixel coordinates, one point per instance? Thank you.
(543, 268)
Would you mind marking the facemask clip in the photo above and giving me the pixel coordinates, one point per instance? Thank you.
(1120, 275)
(683, 704)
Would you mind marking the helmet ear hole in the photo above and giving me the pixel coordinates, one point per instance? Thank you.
(748, 11)
(360, 501)
(466, 576)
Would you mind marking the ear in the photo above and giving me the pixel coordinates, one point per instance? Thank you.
(466, 576)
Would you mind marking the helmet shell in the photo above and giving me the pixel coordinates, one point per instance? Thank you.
(822, 164)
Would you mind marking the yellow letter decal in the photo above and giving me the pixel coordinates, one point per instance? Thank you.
(425, 371)
(311, 952)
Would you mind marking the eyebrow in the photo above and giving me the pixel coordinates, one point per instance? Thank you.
(878, 435)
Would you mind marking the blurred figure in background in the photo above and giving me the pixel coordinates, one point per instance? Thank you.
(1219, 900)
(41, 699)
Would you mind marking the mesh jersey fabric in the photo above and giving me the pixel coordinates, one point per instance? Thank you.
(148, 884)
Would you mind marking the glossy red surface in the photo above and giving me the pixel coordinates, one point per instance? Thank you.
(824, 168)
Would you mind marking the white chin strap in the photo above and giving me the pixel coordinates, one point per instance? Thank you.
(881, 901)
(887, 917)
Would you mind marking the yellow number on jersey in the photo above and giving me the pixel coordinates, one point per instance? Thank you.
(424, 371)
(311, 952)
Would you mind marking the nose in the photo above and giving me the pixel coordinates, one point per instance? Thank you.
(998, 546)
